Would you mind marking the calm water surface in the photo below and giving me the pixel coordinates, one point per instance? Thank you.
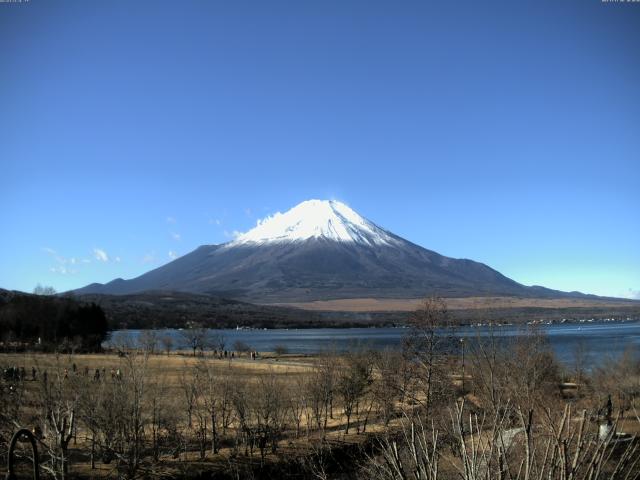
(600, 341)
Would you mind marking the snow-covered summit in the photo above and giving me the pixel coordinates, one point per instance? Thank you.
(327, 219)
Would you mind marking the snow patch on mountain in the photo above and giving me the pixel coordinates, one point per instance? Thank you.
(328, 219)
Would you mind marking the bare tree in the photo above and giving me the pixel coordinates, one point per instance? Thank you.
(241, 347)
(268, 405)
(532, 372)
(167, 343)
(58, 416)
(354, 377)
(163, 418)
(240, 400)
(214, 392)
(488, 359)
(114, 411)
(427, 344)
(225, 393)
(189, 388)
(320, 389)
(217, 341)
(280, 350)
(196, 338)
(297, 402)
(389, 382)
(565, 447)
(132, 389)
(44, 290)
(618, 377)
(519, 371)
(90, 396)
(580, 360)
(148, 340)
(201, 411)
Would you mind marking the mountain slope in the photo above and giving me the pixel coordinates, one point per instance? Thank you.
(321, 250)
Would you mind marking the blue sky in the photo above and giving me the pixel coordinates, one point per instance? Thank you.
(506, 132)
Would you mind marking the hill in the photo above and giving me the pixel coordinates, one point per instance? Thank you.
(322, 250)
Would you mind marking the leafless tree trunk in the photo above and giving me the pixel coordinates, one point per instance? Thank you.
(354, 377)
(167, 343)
(426, 345)
(196, 338)
(557, 448)
(320, 390)
(58, 415)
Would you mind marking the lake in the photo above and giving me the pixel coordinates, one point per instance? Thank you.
(599, 340)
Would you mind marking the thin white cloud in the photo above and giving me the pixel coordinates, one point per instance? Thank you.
(100, 255)
(171, 220)
(172, 255)
(176, 236)
(64, 265)
(248, 212)
(61, 262)
(62, 270)
(233, 234)
(117, 259)
(58, 258)
(149, 257)
(632, 293)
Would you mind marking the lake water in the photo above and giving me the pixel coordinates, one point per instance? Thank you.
(599, 340)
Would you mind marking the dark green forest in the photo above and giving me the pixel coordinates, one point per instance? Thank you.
(50, 323)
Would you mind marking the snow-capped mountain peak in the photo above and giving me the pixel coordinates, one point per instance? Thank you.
(328, 219)
(320, 250)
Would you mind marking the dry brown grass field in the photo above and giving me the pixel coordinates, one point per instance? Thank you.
(162, 367)
(170, 375)
(481, 303)
(150, 415)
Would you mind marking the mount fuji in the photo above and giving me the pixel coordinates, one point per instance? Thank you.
(321, 250)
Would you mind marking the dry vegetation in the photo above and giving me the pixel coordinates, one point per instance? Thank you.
(466, 303)
(506, 412)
